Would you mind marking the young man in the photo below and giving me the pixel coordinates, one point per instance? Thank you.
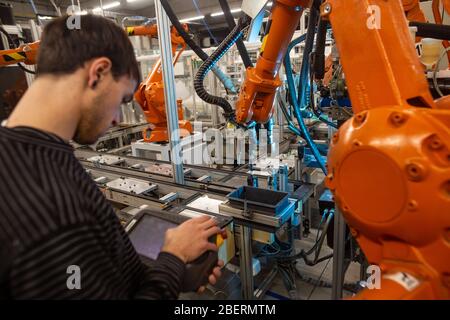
(52, 215)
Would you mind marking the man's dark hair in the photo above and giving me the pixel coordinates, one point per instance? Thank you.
(63, 50)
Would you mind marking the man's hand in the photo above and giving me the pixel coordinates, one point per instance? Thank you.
(189, 240)
(214, 276)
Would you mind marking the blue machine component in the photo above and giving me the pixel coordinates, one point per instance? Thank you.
(272, 181)
(342, 102)
(310, 159)
(269, 127)
(227, 82)
(288, 212)
(284, 178)
(326, 201)
(295, 219)
(255, 182)
(252, 180)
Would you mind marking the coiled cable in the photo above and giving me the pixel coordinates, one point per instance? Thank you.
(207, 65)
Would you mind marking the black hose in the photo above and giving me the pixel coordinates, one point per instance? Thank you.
(316, 248)
(173, 18)
(198, 51)
(309, 42)
(21, 66)
(317, 112)
(283, 108)
(318, 55)
(317, 65)
(210, 62)
(288, 118)
(240, 43)
(431, 30)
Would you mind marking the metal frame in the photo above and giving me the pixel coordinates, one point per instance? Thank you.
(270, 221)
(246, 262)
(338, 255)
(246, 226)
(165, 46)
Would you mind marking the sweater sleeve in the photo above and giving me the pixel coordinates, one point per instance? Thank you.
(163, 279)
(77, 263)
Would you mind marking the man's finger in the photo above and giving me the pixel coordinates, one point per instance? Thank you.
(202, 219)
(212, 231)
(208, 223)
(220, 263)
(212, 279)
(217, 273)
(201, 289)
(211, 246)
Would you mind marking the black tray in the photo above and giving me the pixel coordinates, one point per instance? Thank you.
(261, 200)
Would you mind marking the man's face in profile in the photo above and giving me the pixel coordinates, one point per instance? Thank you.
(103, 110)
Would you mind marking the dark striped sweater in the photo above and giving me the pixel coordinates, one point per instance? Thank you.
(53, 216)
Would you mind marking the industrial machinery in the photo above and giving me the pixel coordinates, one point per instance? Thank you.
(15, 54)
(400, 226)
(150, 94)
(389, 165)
(136, 182)
(335, 101)
(26, 53)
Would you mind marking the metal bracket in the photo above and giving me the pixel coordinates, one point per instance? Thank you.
(247, 213)
(170, 197)
(204, 178)
(105, 159)
(131, 185)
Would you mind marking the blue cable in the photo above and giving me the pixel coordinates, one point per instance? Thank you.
(327, 122)
(297, 112)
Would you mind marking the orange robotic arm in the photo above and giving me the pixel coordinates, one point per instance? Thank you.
(148, 30)
(26, 53)
(413, 11)
(150, 94)
(257, 94)
(437, 11)
(389, 165)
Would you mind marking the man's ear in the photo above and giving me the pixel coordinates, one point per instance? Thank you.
(98, 69)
